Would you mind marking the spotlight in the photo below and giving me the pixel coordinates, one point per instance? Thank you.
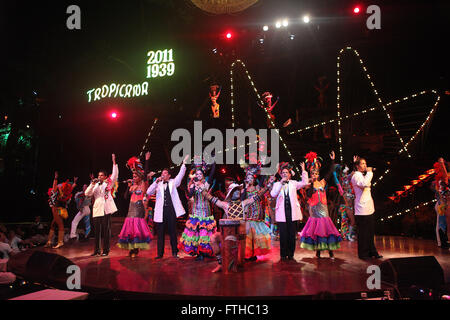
(292, 36)
(266, 28)
(285, 22)
(261, 41)
(278, 25)
(214, 50)
(114, 115)
(356, 10)
(229, 35)
(306, 19)
(28, 126)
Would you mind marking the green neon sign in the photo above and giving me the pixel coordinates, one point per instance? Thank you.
(118, 90)
(160, 64)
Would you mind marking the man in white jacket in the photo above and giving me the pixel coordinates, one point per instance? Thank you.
(287, 209)
(364, 210)
(168, 207)
(100, 189)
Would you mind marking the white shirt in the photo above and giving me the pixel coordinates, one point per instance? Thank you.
(363, 199)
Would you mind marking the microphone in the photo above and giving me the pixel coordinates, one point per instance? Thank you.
(126, 181)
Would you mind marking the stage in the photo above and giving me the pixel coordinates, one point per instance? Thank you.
(268, 277)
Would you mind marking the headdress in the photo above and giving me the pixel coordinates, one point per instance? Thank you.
(199, 165)
(135, 165)
(313, 162)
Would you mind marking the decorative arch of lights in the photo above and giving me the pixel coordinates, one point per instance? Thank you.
(380, 106)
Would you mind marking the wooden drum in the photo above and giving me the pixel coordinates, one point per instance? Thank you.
(233, 244)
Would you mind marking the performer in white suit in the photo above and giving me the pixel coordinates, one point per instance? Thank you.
(100, 189)
(287, 209)
(168, 207)
(364, 210)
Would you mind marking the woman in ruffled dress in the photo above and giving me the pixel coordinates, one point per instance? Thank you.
(136, 234)
(201, 225)
(258, 240)
(319, 233)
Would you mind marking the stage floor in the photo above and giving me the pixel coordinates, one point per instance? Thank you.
(266, 277)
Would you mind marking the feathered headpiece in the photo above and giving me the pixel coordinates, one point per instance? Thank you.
(440, 171)
(285, 165)
(313, 162)
(64, 191)
(135, 165)
(199, 165)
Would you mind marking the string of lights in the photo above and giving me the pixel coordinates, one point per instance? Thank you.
(148, 137)
(262, 103)
(408, 210)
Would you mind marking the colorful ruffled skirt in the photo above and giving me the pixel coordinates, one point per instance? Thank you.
(258, 240)
(320, 234)
(135, 234)
(196, 238)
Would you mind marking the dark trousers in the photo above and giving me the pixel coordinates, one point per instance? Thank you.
(287, 235)
(102, 231)
(366, 233)
(169, 220)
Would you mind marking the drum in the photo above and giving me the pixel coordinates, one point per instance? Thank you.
(233, 235)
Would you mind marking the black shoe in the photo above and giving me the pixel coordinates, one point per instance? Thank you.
(330, 252)
(318, 253)
(105, 253)
(291, 258)
(283, 259)
(158, 257)
(175, 255)
(97, 253)
(377, 256)
(364, 258)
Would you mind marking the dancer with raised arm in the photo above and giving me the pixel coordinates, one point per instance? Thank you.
(59, 197)
(258, 240)
(319, 233)
(102, 189)
(168, 207)
(201, 225)
(135, 234)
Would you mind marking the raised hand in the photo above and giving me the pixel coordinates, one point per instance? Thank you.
(113, 158)
(185, 159)
(355, 158)
(332, 155)
(302, 165)
(147, 155)
(75, 179)
(56, 175)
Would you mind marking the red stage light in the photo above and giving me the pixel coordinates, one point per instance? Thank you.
(114, 115)
(229, 35)
(356, 9)
(224, 170)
